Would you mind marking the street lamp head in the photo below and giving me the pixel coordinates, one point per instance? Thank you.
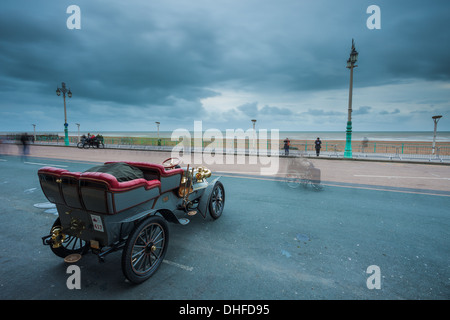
(353, 56)
(69, 94)
(436, 117)
(349, 63)
(58, 92)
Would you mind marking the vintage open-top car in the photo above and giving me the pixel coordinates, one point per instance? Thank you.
(126, 205)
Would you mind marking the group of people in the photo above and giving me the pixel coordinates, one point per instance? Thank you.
(317, 146)
(92, 137)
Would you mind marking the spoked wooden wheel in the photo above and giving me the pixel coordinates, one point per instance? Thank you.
(65, 244)
(145, 249)
(217, 200)
(293, 179)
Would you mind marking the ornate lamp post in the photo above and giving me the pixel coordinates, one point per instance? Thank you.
(350, 64)
(78, 139)
(157, 126)
(254, 135)
(69, 94)
(436, 120)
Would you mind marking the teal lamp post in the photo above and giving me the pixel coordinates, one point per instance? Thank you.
(436, 120)
(66, 125)
(350, 64)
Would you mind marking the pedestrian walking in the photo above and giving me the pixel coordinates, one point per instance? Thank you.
(287, 143)
(364, 143)
(318, 145)
(25, 149)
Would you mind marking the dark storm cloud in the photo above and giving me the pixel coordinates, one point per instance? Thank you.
(251, 110)
(119, 55)
(139, 59)
(275, 111)
(323, 113)
(362, 110)
(395, 111)
(412, 44)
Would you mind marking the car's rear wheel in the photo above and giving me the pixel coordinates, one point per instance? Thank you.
(145, 249)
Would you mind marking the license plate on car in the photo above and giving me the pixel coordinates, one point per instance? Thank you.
(97, 223)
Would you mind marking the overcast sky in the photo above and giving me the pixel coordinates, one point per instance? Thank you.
(225, 62)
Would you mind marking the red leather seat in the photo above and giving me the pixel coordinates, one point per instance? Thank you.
(160, 168)
(52, 171)
(116, 186)
(95, 191)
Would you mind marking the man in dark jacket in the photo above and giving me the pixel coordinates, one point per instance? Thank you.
(287, 142)
(318, 145)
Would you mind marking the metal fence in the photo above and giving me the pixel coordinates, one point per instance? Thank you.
(360, 149)
(380, 150)
(375, 147)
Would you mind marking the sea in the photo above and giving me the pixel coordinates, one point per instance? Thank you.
(407, 136)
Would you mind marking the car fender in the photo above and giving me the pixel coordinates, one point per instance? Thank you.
(167, 214)
(204, 200)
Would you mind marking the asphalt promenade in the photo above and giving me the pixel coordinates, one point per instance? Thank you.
(414, 176)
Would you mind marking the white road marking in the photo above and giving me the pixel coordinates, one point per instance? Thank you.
(45, 164)
(397, 177)
(380, 188)
(355, 186)
(45, 205)
(187, 268)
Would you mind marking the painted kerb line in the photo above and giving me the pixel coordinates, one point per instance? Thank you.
(44, 164)
(187, 268)
(399, 177)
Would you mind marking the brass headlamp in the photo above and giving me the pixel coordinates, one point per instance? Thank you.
(202, 173)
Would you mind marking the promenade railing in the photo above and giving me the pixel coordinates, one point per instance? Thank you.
(360, 149)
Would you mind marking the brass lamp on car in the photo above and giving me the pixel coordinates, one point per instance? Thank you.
(202, 173)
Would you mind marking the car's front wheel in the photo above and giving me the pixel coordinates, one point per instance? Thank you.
(217, 200)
